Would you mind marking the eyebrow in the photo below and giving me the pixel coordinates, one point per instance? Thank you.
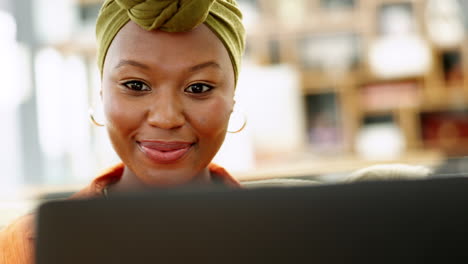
(204, 65)
(133, 63)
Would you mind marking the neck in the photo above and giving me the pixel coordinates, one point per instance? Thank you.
(131, 182)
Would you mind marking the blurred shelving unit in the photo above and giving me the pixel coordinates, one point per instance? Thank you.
(337, 46)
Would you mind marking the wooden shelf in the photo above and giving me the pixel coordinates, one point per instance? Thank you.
(435, 93)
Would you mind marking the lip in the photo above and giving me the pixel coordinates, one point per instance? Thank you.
(164, 152)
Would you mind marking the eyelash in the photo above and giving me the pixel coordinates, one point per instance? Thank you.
(199, 85)
(143, 87)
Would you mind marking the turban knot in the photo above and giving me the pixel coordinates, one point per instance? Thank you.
(167, 15)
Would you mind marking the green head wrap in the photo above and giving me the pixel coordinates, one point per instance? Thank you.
(222, 16)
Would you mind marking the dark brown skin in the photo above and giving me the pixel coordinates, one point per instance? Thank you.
(151, 90)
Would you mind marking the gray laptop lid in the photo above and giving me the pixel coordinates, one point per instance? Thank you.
(378, 222)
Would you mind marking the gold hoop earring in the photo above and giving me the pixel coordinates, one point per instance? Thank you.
(243, 124)
(92, 119)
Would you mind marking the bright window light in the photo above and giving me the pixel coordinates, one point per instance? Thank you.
(11, 90)
(52, 110)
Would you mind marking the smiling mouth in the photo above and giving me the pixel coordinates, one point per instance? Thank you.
(164, 152)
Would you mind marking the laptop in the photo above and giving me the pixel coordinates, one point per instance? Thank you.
(379, 222)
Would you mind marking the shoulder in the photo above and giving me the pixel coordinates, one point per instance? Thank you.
(104, 179)
(220, 174)
(17, 241)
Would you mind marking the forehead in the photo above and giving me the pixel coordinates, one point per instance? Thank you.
(159, 48)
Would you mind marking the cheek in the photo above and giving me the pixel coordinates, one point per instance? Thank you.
(212, 119)
(121, 116)
(210, 123)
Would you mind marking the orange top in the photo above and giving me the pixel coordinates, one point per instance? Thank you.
(17, 240)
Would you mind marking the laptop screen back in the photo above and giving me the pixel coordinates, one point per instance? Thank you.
(382, 222)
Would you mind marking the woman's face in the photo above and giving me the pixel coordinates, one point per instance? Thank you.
(167, 100)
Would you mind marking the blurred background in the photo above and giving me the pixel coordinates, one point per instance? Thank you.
(327, 87)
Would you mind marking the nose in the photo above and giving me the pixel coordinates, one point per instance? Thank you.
(166, 111)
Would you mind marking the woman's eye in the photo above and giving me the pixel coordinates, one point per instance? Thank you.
(198, 88)
(137, 86)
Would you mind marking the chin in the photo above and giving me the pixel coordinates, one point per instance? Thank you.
(167, 178)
